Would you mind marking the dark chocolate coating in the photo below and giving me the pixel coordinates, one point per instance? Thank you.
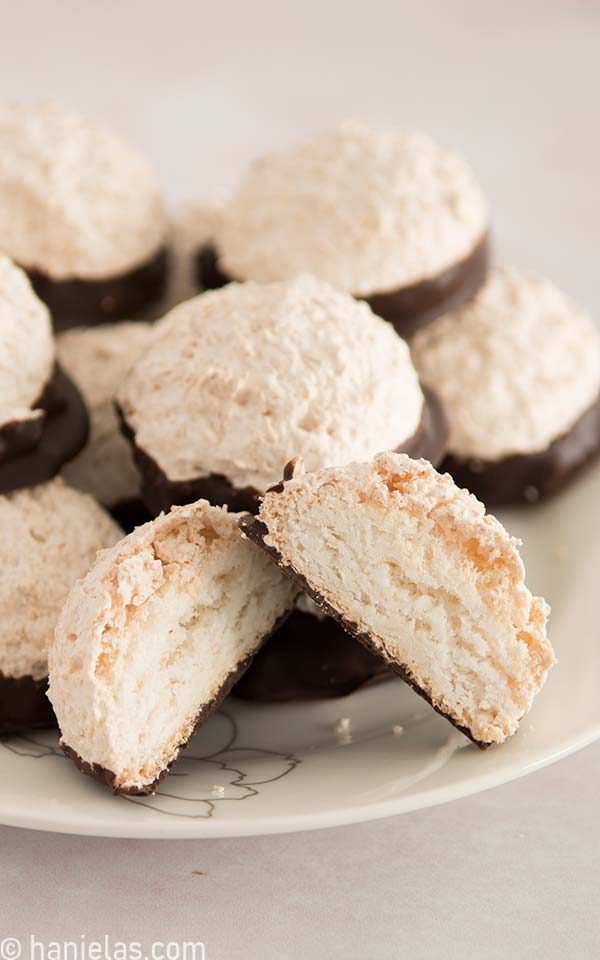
(407, 308)
(411, 308)
(108, 777)
(159, 493)
(76, 302)
(64, 432)
(256, 531)
(19, 437)
(309, 658)
(24, 705)
(430, 441)
(533, 476)
(130, 514)
(209, 275)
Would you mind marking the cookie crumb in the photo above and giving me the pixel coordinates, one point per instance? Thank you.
(342, 730)
(217, 790)
(343, 725)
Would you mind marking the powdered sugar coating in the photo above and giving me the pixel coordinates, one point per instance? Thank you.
(49, 537)
(26, 345)
(75, 200)
(436, 585)
(368, 211)
(98, 358)
(238, 381)
(149, 636)
(515, 368)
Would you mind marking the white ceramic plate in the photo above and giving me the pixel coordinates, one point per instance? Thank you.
(269, 769)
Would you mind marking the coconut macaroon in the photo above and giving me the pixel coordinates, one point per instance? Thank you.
(98, 358)
(412, 566)
(310, 657)
(26, 347)
(238, 380)
(43, 421)
(384, 215)
(50, 536)
(518, 371)
(152, 639)
(82, 212)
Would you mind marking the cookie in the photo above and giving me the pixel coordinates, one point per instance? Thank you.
(518, 371)
(238, 380)
(82, 213)
(153, 638)
(50, 535)
(98, 358)
(389, 217)
(43, 420)
(411, 565)
(193, 234)
(309, 658)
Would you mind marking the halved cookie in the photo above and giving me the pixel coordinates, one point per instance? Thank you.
(153, 638)
(412, 566)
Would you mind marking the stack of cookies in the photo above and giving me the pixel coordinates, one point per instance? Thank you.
(50, 531)
(351, 337)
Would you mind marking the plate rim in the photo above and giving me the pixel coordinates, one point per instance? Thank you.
(301, 823)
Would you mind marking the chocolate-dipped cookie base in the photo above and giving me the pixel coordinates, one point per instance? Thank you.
(309, 658)
(533, 476)
(430, 441)
(411, 308)
(19, 437)
(35, 455)
(407, 308)
(24, 705)
(256, 531)
(130, 514)
(209, 275)
(76, 302)
(159, 493)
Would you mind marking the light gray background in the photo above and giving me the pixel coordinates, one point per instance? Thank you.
(204, 86)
